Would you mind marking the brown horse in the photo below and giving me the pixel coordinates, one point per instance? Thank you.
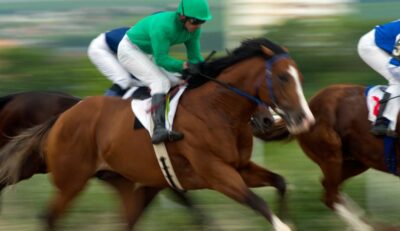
(25, 109)
(215, 153)
(341, 144)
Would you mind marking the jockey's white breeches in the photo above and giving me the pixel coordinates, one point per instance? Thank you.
(378, 60)
(143, 67)
(107, 63)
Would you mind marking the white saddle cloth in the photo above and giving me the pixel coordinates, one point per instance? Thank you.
(375, 94)
(142, 110)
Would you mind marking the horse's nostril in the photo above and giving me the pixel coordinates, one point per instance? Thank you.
(267, 122)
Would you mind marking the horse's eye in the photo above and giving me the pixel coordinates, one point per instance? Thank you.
(283, 78)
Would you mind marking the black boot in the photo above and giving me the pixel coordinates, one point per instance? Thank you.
(380, 127)
(160, 133)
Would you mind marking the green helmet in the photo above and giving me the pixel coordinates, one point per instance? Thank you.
(195, 9)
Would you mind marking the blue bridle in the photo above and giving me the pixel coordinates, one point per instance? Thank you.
(268, 79)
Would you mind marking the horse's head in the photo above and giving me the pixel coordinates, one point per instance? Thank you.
(284, 92)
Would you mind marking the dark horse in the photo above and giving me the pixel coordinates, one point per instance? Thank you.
(216, 150)
(341, 144)
(24, 110)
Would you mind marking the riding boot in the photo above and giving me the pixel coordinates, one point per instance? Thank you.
(380, 127)
(160, 133)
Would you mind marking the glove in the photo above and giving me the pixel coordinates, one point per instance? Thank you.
(396, 50)
(193, 69)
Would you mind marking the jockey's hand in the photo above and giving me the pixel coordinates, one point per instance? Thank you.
(396, 50)
(192, 69)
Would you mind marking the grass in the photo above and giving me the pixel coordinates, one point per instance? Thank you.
(98, 209)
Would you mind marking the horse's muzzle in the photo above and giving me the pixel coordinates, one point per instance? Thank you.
(298, 121)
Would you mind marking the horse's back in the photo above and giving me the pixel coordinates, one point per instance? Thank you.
(99, 131)
(26, 109)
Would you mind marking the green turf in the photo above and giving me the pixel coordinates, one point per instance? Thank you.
(98, 207)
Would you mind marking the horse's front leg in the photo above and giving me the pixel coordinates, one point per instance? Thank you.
(227, 180)
(257, 176)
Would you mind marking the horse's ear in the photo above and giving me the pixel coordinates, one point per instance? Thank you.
(267, 51)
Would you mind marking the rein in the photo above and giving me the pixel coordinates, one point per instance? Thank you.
(268, 79)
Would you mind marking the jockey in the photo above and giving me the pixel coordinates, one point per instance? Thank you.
(380, 49)
(102, 53)
(144, 52)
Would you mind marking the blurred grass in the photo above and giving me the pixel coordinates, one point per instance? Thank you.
(98, 207)
(325, 51)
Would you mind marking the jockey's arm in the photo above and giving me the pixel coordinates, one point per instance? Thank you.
(161, 45)
(193, 48)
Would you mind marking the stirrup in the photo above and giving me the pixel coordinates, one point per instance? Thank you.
(162, 135)
(380, 127)
(174, 136)
(379, 130)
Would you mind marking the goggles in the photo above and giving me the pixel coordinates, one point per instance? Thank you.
(195, 21)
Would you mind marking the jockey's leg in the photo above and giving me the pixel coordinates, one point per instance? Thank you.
(140, 65)
(379, 60)
(107, 63)
(380, 127)
(392, 109)
(160, 133)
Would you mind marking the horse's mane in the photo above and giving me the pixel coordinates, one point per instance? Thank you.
(249, 48)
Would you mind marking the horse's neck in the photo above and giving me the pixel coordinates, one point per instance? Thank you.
(230, 104)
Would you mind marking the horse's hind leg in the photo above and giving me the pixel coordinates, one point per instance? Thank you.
(134, 200)
(68, 189)
(70, 172)
(257, 176)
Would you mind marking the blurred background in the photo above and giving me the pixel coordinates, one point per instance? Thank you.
(43, 47)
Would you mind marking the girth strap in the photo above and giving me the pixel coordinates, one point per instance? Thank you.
(165, 163)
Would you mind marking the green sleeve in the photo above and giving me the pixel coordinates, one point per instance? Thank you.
(160, 45)
(193, 48)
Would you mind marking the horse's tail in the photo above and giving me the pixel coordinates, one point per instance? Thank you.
(278, 131)
(21, 150)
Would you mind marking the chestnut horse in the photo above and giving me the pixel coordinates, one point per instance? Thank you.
(93, 135)
(341, 144)
(26, 109)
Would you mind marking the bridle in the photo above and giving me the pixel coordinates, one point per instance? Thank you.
(268, 79)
